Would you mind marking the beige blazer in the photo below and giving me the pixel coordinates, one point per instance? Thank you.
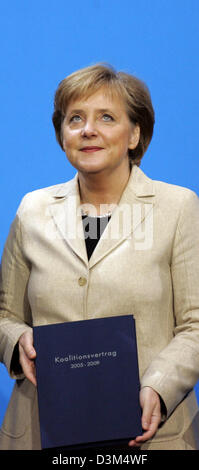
(146, 264)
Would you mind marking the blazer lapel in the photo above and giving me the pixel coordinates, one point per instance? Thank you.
(66, 212)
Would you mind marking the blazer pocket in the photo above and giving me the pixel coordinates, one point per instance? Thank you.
(19, 412)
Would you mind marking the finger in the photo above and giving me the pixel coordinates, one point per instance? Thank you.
(133, 443)
(151, 415)
(26, 341)
(150, 409)
(153, 426)
(151, 429)
(147, 414)
(28, 366)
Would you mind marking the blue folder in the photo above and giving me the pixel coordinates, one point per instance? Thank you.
(88, 382)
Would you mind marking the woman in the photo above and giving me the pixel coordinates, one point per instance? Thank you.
(146, 262)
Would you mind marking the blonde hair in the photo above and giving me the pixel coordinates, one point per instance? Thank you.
(133, 91)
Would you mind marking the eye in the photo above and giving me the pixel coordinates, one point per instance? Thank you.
(75, 118)
(107, 117)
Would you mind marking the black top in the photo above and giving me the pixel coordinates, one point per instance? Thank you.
(93, 229)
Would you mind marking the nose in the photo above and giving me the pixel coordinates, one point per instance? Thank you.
(89, 129)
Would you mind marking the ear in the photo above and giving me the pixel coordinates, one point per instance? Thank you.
(135, 137)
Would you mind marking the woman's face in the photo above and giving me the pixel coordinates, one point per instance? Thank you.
(97, 133)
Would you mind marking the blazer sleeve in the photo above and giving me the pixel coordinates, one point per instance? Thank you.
(175, 371)
(15, 312)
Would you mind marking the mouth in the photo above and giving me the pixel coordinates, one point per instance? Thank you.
(91, 149)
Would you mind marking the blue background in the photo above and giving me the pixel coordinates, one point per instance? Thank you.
(42, 41)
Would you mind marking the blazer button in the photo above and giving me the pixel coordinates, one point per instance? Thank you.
(82, 281)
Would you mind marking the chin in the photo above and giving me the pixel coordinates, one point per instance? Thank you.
(90, 168)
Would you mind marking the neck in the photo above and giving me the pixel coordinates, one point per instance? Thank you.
(102, 192)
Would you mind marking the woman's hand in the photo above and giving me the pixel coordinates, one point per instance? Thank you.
(151, 415)
(27, 355)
